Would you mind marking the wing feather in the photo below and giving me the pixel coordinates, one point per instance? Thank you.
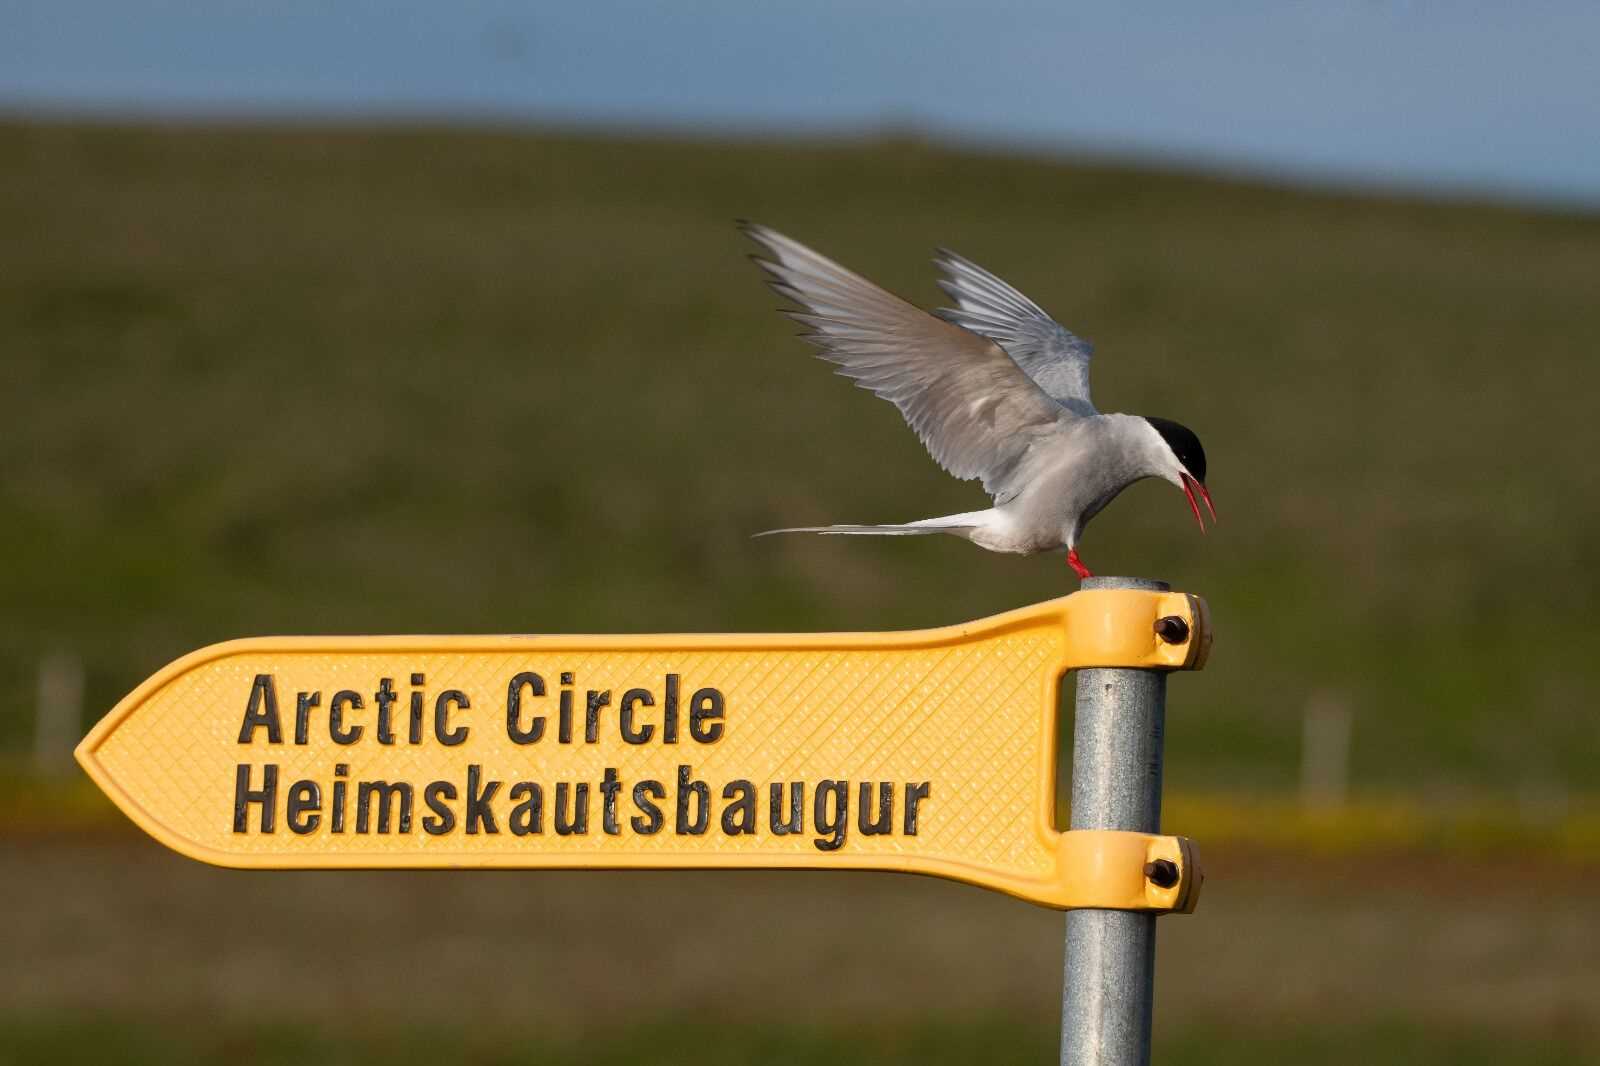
(1055, 358)
(970, 404)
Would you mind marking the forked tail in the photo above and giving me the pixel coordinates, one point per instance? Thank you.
(959, 524)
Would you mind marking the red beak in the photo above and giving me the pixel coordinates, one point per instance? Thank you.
(1190, 485)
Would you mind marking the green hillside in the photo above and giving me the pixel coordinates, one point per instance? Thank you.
(338, 380)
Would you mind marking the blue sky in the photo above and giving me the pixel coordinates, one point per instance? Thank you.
(1502, 99)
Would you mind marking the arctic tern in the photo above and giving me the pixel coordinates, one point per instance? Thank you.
(995, 389)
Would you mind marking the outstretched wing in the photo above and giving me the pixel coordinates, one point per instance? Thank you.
(1055, 358)
(973, 408)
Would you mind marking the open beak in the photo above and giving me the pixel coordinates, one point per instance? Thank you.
(1190, 486)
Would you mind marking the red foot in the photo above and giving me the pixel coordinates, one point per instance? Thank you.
(1077, 564)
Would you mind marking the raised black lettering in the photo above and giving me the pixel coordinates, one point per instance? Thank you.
(832, 819)
(303, 705)
(532, 681)
(243, 796)
(385, 699)
(625, 716)
(740, 815)
(796, 821)
(669, 709)
(478, 796)
(572, 811)
(261, 710)
(342, 699)
(414, 723)
(591, 715)
(527, 817)
(304, 801)
(688, 789)
(340, 770)
(705, 708)
(884, 822)
(441, 717)
(383, 792)
(650, 823)
(443, 819)
(609, 787)
(916, 792)
(564, 728)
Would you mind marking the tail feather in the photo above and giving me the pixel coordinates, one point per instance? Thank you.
(865, 531)
(958, 524)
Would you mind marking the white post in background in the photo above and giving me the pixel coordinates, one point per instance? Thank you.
(59, 713)
(1325, 750)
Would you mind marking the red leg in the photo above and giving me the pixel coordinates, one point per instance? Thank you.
(1077, 564)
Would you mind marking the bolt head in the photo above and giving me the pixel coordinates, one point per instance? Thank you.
(1172, 629)
(1163, 873)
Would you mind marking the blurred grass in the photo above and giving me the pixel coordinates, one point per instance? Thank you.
(124, 952)
(266, 380)
(127, 1042)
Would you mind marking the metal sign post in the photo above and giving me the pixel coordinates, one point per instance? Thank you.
(1109, 969)
(930, 751)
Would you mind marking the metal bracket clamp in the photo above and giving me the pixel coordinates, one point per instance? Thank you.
(1112, 869)
(1136, 628)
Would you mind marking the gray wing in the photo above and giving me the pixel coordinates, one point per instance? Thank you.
(972, 407)
(1053, 357)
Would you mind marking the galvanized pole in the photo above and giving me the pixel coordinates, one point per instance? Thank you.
(1108, 986)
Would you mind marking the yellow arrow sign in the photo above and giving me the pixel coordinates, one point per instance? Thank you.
(930, 751)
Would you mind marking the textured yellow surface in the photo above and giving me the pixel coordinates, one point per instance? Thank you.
(968, 709)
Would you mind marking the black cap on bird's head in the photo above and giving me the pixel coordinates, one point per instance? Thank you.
(1191, 463)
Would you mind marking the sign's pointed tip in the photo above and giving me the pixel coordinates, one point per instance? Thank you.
(87, 756)
(84, 755)
(85, 752)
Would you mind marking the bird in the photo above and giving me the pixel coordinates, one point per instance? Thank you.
(996, 390)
